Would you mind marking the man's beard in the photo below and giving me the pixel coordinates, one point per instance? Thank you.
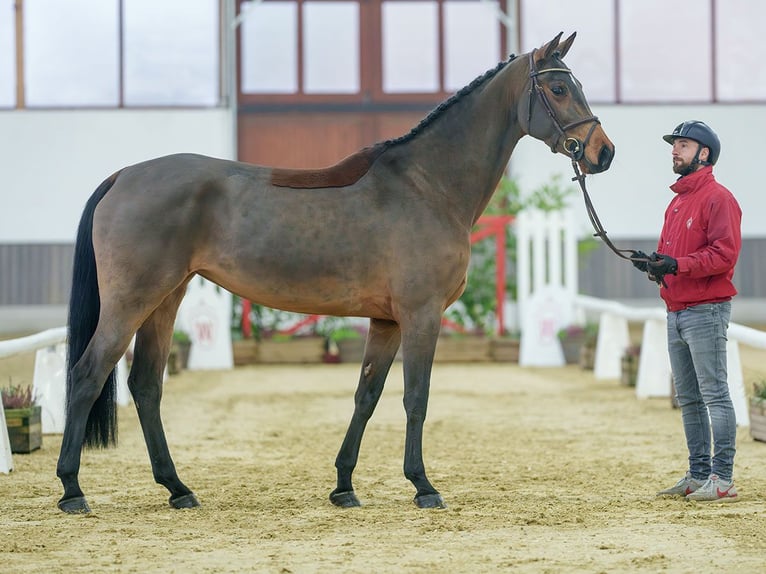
(683, 169)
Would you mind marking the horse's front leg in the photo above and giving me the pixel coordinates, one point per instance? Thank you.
(418, 348)
(383, 341)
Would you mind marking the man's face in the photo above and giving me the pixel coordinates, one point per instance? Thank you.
(684, 151)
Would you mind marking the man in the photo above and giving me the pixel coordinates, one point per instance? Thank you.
(694, 264)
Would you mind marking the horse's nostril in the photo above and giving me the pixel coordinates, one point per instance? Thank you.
(605, 157)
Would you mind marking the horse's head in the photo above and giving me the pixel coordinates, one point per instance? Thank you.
(557, 112)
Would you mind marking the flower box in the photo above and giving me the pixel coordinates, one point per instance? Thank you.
(504, 349)
(758, 419)
(294, 350)
(25, 430)
(462, 349)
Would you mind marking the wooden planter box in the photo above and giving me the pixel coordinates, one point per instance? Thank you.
(462, 349)
(351, 350)
(504, 350)
(25, 429)
(587, 357)
(757, 419)
(290, 351)
(629, 374)
(244, 351)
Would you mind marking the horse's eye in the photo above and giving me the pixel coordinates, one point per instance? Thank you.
(559, 90)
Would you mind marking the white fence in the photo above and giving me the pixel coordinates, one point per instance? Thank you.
(654, 374)
(546, 272)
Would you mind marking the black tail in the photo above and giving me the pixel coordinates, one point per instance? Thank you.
(84, 307)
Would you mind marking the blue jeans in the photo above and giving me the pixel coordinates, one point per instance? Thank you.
(697, 348)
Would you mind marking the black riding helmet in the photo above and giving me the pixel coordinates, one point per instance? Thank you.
(701, 133)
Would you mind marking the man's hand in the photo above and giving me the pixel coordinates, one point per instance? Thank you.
(640, 265)
(661, 265)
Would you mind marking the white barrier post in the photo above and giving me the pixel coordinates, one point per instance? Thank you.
(205, 314)
(6, 458)
(545, 312)
(613, 338)
(737, 384)
(49, 384)
(653, 379)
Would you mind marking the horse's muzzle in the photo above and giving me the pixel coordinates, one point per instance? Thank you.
(605, 156)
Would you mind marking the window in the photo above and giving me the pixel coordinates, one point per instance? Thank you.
(7, 55)
(667, 58)
(741, 76)
(654, 51)
(171, 53)
(111, 53)
(71, 54)
(373, 51)
(593, 54)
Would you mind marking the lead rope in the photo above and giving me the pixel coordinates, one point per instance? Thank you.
(601, 232)
(596, 223)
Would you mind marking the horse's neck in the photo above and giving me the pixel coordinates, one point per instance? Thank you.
(464, 152)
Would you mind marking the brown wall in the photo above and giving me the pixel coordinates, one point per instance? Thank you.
(316, 139)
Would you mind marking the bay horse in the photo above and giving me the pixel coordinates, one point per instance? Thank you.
(383, 234)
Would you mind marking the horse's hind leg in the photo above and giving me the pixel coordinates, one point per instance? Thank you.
(382, 343)
(150, 356)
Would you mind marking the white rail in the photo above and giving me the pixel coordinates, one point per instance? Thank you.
(654, 374)
(32, 342)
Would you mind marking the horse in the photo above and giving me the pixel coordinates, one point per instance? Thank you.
(383, 234)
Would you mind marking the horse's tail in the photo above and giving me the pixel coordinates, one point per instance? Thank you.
(84, 307)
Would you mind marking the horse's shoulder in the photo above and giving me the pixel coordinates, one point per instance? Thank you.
(346, 172)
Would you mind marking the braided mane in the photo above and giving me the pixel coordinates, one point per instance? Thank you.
(448, 103)
(350, 169)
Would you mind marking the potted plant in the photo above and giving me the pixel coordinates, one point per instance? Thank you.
(349, 342)
(571, 339)
(178, 359)
(22, 417)
(588, 349)
(758, 411)
(629, 364)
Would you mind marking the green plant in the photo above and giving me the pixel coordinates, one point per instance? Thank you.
(475, 310)
(587, 332)
(181, 337)
(759, 390)
(17, 396)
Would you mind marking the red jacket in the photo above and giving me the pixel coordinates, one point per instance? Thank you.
(701, 231)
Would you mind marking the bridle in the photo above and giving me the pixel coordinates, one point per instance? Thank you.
(575, 148)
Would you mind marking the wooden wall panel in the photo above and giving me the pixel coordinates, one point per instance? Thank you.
(316, 139)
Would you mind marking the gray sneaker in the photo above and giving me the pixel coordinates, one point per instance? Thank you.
(715, 490)
(683, 487)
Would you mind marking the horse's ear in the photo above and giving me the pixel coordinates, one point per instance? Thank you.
(565, 45)
(551, 46)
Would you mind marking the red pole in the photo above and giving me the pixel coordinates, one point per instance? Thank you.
(500, 277)
(247, 327)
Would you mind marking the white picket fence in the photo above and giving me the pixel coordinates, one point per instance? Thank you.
(654, 374)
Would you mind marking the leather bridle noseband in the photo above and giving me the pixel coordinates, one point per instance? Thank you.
(574, 148)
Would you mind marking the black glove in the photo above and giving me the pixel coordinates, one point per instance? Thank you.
(640, 265)
(661, 265)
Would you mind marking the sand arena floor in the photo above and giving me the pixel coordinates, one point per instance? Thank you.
(543, 470)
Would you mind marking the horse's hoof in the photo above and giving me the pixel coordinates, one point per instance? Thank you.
(434, 500)
(77, 505)
(345, 499)
(185, 501)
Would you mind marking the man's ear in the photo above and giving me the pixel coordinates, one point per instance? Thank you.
(704, 153)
